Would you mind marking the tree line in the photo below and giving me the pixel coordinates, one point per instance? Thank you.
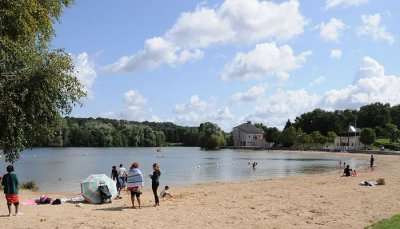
(102, 132)
(310, 130)
(319, 127)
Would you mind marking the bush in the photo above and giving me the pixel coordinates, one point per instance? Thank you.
(391, 146)
(30, 185)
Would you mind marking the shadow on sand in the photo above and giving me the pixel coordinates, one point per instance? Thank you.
(122, 208)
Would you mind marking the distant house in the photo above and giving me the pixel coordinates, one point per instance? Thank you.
(248, 135)
(349, 141)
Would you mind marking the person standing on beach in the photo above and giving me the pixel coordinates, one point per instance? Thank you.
(10, 185)
(135, 182)
(122, 173)
(155, 182)
(371, 161)
(114, 177)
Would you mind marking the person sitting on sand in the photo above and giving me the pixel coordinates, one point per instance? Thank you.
(135, 183)
(165, 192)
(354, 173)
(10, 186)
(347, 171)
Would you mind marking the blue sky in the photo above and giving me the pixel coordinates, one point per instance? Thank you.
(231, 61)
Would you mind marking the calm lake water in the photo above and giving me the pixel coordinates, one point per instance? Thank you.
(62, 169)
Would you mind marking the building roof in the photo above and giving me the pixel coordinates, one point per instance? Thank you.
(249, 128)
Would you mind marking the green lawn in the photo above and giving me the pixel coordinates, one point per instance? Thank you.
(392, 223)
(383, 141)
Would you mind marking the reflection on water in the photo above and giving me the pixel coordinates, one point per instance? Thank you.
(62, 169)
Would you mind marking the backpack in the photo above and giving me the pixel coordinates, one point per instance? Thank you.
(104, 193)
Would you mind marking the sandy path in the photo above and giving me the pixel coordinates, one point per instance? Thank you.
(314, 201)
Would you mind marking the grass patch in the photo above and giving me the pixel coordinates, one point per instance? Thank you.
(30, 185)
(383, 141)
(392, 223)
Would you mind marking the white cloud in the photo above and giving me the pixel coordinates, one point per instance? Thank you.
(157, 51)
(332, 30)
(197, 111)
(282, 105)
(199, 29)
(134, 99)
(250, 95)
(336, 53)
(344, 3)
(254, 20)
(372, 27)
(265, 59)
(234, 21)
(370, 85)
(317, 81)
(85, 71)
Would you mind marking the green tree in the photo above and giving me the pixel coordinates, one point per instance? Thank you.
(288, 137)
(37, 85)
(392, 132)
(367, 136)
(373, 115)
(395, 115)
(330, 137)
(318, 138)
(211, 136)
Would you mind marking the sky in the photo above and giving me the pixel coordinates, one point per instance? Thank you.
(231, 61)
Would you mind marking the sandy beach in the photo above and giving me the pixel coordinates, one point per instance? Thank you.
(313, 201)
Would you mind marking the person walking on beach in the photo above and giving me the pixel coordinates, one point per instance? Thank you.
(10, 186)
(135, 182)
(155, 182)
(371, 162)
(123, 175)
(114, 177)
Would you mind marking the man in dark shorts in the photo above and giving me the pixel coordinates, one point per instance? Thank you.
(10, 186)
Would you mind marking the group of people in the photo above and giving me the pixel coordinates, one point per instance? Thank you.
(133, 181)
(347, 172)
(252, 164)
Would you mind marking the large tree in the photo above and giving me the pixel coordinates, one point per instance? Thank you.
(367, 136)
(37, 85)
(211, 136)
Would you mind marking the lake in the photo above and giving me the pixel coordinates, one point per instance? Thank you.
(62, 169)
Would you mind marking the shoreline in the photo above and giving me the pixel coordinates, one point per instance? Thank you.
(349, 156)
(323, 200)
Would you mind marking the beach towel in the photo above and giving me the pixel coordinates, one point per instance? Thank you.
(368, 183)
(135, 178)
(30, 202)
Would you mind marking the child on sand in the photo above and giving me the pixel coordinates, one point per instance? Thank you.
(165, 192)
(10, 186)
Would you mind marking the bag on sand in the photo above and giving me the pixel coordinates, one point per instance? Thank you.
(56, 202)
(104, 193)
